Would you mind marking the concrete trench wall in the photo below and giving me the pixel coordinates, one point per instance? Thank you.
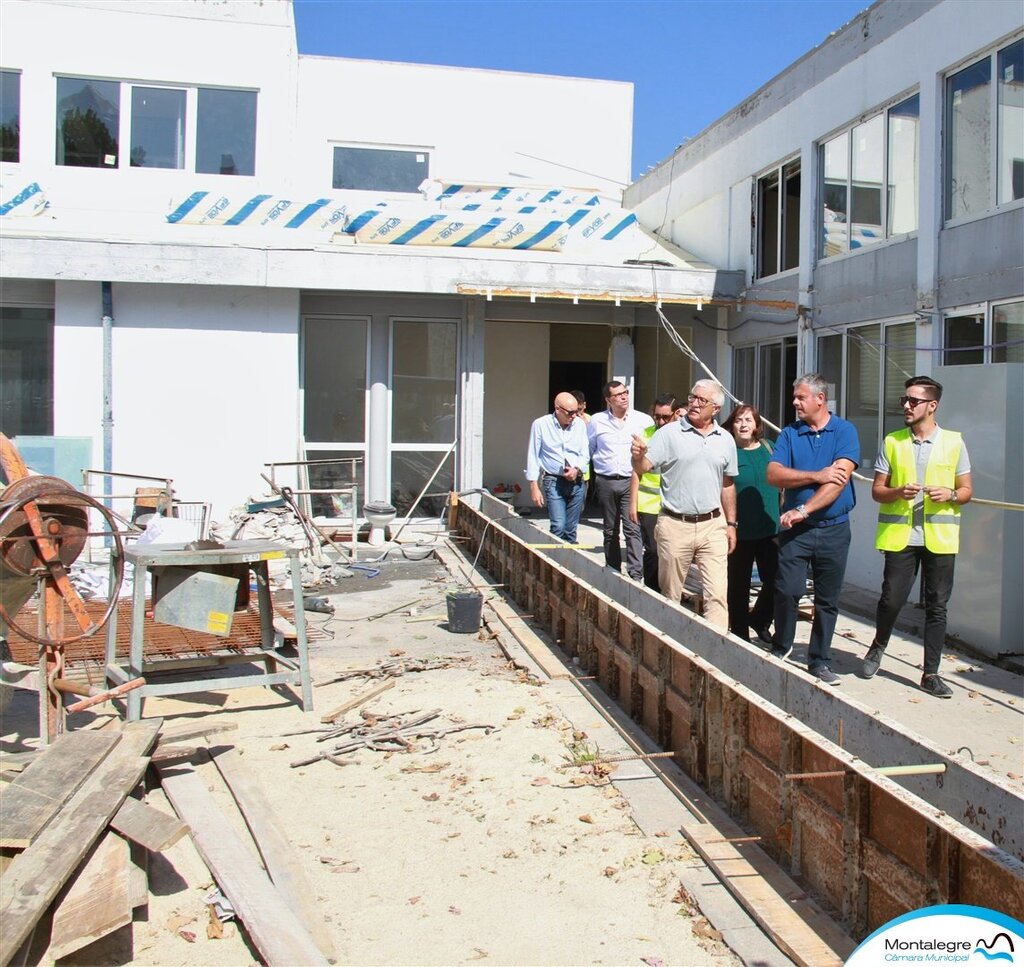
(866, 846)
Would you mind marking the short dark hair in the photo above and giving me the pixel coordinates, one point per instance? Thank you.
(934, 385)
(609, 386)
(745, 408)
(580, 398)
(666, 399)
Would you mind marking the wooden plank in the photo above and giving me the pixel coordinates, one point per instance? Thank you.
(148, 827)
(188, 731)
(356, 702)
(280, 937)
(49, 781)
(97, 901)
(800, 929)
(278, 854)
(34, 879)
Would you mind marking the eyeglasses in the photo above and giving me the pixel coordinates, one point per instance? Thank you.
(913, 401)
(623, 392)
(662, 419)
(699, 400)
(565, 411)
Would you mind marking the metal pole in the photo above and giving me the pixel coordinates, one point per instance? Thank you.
(108, 393)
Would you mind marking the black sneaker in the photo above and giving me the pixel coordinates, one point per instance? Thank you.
(872, 661)
(763, 634)
(825, 675)
(934, 685)
(782, 652)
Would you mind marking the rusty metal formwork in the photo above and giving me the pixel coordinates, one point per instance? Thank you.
(868, 847)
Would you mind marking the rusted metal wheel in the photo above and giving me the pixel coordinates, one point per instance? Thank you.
(44, 526)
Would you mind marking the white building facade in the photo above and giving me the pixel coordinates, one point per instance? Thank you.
(873, 195)
(213, 252)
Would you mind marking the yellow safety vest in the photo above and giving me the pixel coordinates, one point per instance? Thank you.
(648, 497)
(941, 521)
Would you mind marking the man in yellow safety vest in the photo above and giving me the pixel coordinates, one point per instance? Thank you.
(645, 491)
(922, 479)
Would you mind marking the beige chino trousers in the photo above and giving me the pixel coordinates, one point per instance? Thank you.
(705, 544)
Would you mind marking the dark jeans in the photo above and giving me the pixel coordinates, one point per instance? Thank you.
(613, 499)
(647, 524)
(565, 501)
(765, 552)
(937, 579)
(825, 550)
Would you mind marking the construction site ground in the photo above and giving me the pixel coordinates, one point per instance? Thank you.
(497, 847)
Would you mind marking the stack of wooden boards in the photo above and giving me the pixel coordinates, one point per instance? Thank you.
(74, 841)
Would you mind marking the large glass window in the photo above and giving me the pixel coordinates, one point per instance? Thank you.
(778, 220)
(26, 371)
(763, 374)
(991, 333)
(226, 132)
(10, 116)
(870, 180)
(158, 128)
(380, 169)
(88, 117)
(870, 365)
(974, 150)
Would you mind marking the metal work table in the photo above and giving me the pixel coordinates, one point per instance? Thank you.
(255, 554)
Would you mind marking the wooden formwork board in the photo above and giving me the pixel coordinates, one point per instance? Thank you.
(865, 846)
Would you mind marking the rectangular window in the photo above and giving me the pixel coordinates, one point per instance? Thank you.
(992, 333)
(743, 373)
(26, 371)
(380, 169)
(226, 132)
(900, 356)
(778, 220)
(830, 365)
(88, 118)
(870, 180)
(10, 116)
(763, 375)
(158, 128)
(985, 166)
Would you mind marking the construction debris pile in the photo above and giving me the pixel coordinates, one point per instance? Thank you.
(276, 521)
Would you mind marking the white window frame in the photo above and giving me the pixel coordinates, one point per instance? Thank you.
(819, 154)
(755, 201)
(985, 309)
(991, 54)
(377, 146)
(124, 122)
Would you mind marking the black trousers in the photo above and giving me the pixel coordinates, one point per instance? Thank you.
(765, 552)
(613, 499)
(647, 524)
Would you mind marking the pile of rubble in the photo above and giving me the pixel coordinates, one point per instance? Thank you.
(281, 525)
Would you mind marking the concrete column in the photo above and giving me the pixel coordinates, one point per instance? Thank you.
(622, 359)
(469, 472)
(930, 220)
(378, 436)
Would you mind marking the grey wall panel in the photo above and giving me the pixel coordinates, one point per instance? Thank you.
(982, 260)
(877, 283)
(27, 292)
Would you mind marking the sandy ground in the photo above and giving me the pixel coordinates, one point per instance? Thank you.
(493, 849)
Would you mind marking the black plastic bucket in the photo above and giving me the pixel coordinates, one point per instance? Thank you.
(464, 609)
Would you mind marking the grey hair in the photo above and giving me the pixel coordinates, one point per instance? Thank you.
(815, 382)
(714, 390)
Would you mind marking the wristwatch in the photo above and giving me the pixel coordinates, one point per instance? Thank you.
(953, 497)
(732, 523)
(802, 511)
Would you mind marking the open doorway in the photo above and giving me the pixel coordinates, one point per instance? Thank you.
(569, 375)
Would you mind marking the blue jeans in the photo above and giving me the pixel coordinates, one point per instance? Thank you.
(825, 550)
(564, 499)
(900, 570)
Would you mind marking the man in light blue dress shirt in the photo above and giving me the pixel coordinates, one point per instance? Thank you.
(557, 455)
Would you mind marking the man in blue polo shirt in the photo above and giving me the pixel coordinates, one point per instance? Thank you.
(813, 461)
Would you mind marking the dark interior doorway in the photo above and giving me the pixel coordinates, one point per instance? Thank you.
(571, 375)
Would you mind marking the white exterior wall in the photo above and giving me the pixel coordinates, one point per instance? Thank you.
(205, 383)
(478, 125)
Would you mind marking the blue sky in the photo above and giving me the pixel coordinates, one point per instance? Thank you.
(690, 61)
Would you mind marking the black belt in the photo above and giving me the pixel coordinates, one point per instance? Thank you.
(693, 518)
(614, 476)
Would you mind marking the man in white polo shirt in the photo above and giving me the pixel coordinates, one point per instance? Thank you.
(697, 462)
(611, 433)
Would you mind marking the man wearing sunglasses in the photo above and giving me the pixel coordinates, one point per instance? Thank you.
(557, 453)
(922, 478)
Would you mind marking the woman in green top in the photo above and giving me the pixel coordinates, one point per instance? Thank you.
(757, 510)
